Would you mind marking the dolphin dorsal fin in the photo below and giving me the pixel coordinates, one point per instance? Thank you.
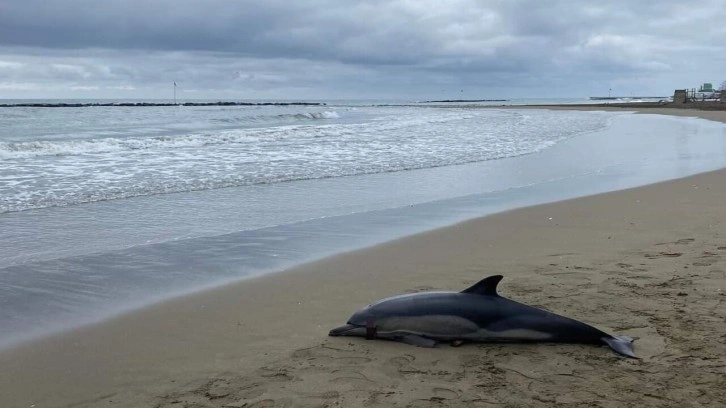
(486, 286)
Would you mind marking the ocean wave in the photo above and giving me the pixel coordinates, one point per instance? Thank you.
(10, 150)
(105, 145)
(108, 187)
(317, 115)
(67, 172)
(300, 116)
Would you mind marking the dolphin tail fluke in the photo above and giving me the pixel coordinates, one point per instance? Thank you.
(621, 344)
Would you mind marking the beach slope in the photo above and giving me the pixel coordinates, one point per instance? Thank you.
(648, 262)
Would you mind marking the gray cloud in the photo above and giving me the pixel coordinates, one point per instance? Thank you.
(386, 48)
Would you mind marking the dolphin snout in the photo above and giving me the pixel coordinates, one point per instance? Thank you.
(346, 330)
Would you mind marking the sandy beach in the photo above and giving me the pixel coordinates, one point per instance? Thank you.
(648, 262)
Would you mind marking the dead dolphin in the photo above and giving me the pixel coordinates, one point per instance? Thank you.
(475, 314)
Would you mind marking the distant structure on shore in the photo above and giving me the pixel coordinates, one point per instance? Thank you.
(706, 87)
(683, 96)
(705, 92)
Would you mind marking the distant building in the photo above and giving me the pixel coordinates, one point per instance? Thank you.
(706, 87)
(705, 92)
(680, 95)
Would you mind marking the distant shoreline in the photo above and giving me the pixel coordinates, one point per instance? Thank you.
(715, 111)
(152, 104)
(707, 105)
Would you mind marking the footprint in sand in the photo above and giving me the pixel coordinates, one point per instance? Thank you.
(265, 403)
(274, 373)
(623, 265)
(445, 393)
(352, 377)
(442, 397)
(325, 355)
(233, 391)
(489, 376)
(400, 366)
(343, 369)
(664, 255)
(218, 388)
(682, 241)
(327, 395)
(626, 284)
(632, 268)
(674, 282)
(707, 258)
(376, 399)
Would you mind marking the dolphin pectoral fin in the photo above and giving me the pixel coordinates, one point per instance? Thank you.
(416, 340)
(621, 345)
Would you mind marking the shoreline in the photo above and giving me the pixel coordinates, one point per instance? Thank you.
(204, 347)
(716, 115)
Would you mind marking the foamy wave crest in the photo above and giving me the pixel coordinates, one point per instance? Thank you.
(109, 145)
(285, 117)
(318, 115)
(76, 147)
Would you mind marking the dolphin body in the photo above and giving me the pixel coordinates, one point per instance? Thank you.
(475, 314)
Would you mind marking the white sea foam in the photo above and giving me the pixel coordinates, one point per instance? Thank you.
(318, 115)
(67, 170)
(265, 118)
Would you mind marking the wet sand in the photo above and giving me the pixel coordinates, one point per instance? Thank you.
(714, 113)
(648, 262)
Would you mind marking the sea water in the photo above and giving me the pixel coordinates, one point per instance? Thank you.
(106, 209)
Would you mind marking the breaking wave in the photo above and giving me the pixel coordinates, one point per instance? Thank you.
(58, 172)
(285, 117)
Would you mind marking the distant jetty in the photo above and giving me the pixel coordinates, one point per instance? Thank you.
(151, 104)
(466, 100)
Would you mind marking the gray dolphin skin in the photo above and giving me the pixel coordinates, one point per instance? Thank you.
(477, 314)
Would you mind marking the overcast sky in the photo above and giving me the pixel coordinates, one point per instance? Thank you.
(403, 49)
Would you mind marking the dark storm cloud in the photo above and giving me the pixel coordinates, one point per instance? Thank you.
(249, 28)
(156, 25)
(388, 45)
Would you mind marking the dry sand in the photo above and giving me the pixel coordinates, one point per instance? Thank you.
(648, 262)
